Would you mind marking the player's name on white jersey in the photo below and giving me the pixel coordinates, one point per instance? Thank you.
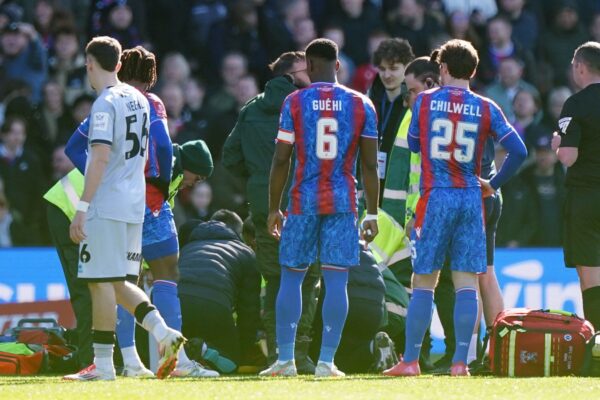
(134, 106)
(327, 105)
(455, 108)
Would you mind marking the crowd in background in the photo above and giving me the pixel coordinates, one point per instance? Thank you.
(213, 57)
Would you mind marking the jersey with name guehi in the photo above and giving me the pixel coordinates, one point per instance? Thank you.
(120, 119)
(325, 122)
(453, 125)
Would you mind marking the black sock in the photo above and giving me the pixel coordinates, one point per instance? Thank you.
(103, 337)
(591, 305)
(143, 309)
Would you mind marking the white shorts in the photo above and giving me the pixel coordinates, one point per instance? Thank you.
(111, 252)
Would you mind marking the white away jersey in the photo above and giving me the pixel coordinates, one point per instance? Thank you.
(120, 119)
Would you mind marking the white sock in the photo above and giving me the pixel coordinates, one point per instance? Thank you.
(131, 357)
(472, 354)
(103, 356)
(155, 324)
(182, 358)
(329, 364)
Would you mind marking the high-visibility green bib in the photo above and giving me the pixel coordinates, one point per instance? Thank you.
(66, 192)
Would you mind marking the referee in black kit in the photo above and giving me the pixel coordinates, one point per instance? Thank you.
(578, 147)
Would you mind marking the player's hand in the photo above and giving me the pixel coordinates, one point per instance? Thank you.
(369, 230)
(486, 188)
(556, 140)
(409, 227)
(76, 230)
(275, 223)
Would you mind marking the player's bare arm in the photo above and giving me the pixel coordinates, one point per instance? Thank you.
(95, 171)
(280, 169)
(368, 159)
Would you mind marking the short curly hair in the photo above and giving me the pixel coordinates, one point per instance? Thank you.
(394, 50)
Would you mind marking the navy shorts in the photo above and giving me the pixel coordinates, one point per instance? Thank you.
(159, 235)
(449, 226)
(332, 239)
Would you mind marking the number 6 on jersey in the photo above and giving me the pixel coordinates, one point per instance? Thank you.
(327, 141)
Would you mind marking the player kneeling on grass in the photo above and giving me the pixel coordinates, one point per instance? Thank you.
(325, 124)
(110, 213)
(449, 127)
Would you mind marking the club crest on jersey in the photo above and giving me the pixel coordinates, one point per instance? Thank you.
(100, 121)
(563, 124)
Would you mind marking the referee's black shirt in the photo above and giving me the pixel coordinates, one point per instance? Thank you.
(579, 126)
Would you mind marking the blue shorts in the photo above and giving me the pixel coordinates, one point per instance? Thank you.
(449, 226)
(159, 235)
(332, 239)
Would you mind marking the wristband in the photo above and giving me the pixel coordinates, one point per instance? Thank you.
(368, 217)
(82, 206)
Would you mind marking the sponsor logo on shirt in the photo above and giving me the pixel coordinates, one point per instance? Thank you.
(100, 121)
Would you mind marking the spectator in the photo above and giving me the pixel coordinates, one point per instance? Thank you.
(279, 24)
(366, 73)
(101, 14)
(195, 111)
(303, 33)
(235, 65)
(57, 123)
(414, 24)
(525, 30)
(358, 19)
(200, 16)
(336, 34)
(219, 277)
(556, 100)
(509, 82)
(9, 13)
(12, 231)
(24, 57)
(239, 32)
(66, 65)
(526, 107)
(200, 202)
(501, 46)
(546, 179)
(595, 28)
(459, 27)
(486, 8)
(22, 173)
(561, 40)
(61, 164)
(172, 96)
(120, 25)
(174, 69)
(47, 18)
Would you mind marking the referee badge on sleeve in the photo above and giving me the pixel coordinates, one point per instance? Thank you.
(563, 124)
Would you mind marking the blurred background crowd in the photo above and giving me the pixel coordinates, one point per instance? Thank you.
(213, 57)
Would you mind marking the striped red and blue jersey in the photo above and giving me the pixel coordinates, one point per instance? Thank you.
(450, 127)
(325, 122)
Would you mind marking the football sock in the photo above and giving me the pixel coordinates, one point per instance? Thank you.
(288, 308)
(591, 305)
(125, 328)
(154, 324)
(335, 310)
(465, 317)
(104, 343)
(131, 357)
(472, 354)
(166, 301)
(418, 319)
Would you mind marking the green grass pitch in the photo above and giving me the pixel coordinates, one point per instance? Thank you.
(353, 387)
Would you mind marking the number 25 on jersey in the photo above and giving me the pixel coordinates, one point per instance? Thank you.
(463, 133)
(327, 141)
